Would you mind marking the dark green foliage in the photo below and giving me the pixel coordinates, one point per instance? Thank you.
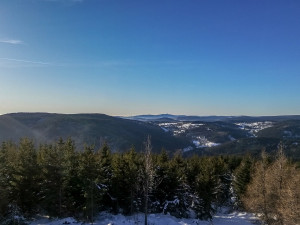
(125, 192)
(178, 190)
(60, 181)
(104, 176)
(25, 178)
(4, 173)
(242, 177)
(71, 183)
(50, 160)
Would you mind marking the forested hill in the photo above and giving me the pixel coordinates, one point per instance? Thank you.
(92, 129)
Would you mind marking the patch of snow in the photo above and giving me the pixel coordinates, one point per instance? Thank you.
(174, 202)
(235, 218)
(288, 133)
(231, 138)
(47, 221)
(255, 127)
(202, 142)
(189, 148)
(164, 129)
(178, 127)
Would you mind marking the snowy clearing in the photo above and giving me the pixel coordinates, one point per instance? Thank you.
(235, 218)
(253, 128)
(202, 142)
(178, 127)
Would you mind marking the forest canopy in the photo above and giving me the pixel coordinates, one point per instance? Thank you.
(57, 180)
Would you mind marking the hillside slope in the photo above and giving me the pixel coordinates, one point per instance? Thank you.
(94, 129)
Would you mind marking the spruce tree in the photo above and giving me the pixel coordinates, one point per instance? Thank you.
(71, 190)
(177, 202)
(87, 172)
(103, 179)
(242, 177)
(161, 181)
(4, 181)
(132, 167)
(25, 177)
(51, 185)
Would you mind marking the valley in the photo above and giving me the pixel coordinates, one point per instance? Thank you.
(209, 135)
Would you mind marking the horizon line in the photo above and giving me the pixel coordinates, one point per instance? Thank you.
(160, 114)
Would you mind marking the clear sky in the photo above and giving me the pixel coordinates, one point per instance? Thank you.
(129, 57)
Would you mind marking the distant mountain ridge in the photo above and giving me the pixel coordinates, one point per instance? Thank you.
(213, 118)
(177, 117)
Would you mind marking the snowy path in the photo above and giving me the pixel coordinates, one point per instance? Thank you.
(236, 218)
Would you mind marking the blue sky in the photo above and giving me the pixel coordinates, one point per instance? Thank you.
(131, 57)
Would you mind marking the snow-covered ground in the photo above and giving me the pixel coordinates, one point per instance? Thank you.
(235, 218)
(178, 127)
(202, 142)
(253, 128)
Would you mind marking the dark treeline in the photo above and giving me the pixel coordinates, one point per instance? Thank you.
(57, 180)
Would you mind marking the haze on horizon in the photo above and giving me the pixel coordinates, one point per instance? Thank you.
(150, 57)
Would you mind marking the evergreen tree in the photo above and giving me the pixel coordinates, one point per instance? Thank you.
(206, 189)
(25, 178)
(51, 187)
(132, 168)
(87, 172)
(103, 179)
(8, 197)
(223, 181)
(161, 181)
(119, 186)
(61, 181)
(177, 202)
(242, 177)
(4, 188)
(71, 191)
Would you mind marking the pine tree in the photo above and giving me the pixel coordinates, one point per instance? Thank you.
(87, 172)
(178, 192)
(71, 190)
(161, 182)
(103, 179)
(206, 189)
(51, 187)
(119, 186)
(242, 177)
(8, 197)
(4, 180)
(25, 178)
(126, 190)
(132, 167)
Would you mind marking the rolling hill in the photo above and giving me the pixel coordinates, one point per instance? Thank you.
(222, 135)
(91, 129)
